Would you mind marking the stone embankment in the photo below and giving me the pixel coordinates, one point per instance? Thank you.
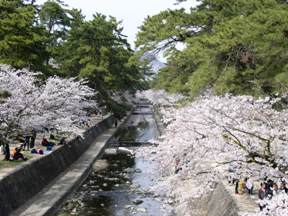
(39, 175)
(222, 201)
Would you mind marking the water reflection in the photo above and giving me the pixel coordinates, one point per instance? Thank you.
(121, 188)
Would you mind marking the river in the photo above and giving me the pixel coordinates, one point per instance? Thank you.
(119, 183)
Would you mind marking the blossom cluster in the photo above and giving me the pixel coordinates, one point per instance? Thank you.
(277, 206)
(27, 101)
(211, 135)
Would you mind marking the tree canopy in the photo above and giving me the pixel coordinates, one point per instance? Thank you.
(57, 40)
(28, 102)
(22, 42)
(97, 50)
(238, 47)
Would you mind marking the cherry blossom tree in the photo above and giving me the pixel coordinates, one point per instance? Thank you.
(204, 139)
(27, 102)
(278, 205)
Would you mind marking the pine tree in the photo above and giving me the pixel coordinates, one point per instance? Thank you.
(238, 47)
(22, 41)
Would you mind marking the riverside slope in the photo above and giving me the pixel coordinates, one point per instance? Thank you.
(51, 197)
(30, 178)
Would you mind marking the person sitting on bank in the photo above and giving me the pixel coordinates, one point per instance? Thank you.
(16, 154)
(40, 152)
(62, 141)
(46, 143)
(34, 151)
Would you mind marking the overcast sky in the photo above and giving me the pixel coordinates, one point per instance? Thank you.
(131, 12)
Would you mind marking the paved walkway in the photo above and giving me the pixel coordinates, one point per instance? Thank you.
(48, 200)
(245, 203)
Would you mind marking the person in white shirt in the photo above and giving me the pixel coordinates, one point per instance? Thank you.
(249, 185)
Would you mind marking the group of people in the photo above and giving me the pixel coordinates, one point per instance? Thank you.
(14, 155)
(242, 185)
(27, 143)
(49, 146)
(29, 140)
(268, 189)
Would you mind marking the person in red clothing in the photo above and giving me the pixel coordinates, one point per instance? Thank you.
(44, 142)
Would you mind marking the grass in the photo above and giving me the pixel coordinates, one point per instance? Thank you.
(11, 164)
(27, 154)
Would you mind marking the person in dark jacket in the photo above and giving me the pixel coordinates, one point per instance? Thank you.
(32, 139)
(7, 152)
(26, 143)
(236, 186)
(261, 196)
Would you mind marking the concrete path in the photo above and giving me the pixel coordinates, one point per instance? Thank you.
(50, 199)
(246, 204)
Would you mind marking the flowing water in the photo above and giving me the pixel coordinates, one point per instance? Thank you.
(118, 185)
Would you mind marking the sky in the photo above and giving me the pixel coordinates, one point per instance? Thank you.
(131, 12)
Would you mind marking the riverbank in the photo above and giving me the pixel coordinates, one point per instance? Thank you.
(7, 167)
(48, 201)
(29, 178)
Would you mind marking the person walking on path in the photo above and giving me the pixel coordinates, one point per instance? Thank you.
(275, 189)
(261, 196)
(249, 185)
(236, 186)
(242, 186)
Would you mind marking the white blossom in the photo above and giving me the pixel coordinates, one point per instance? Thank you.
(210, 134)
(32, 103)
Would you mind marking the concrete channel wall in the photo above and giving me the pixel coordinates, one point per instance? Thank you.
(218, 203)
(221, 203)
(27, 180)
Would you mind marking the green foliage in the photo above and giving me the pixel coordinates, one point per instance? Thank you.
(22, 43)
(56, 40)
(97, 50)
(57, 22)
(238, 47)
(54, 17)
